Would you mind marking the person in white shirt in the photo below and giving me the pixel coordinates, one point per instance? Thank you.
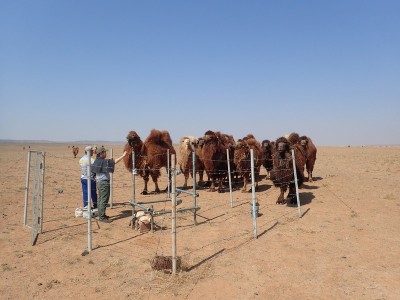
(83, 162)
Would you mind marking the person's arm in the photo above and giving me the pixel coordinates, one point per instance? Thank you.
(120, 158)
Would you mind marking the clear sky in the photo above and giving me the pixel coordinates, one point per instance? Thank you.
(94, 69)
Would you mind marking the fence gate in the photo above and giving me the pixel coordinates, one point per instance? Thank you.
(38, 167)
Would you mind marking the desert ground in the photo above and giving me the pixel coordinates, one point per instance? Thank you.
(346, 245)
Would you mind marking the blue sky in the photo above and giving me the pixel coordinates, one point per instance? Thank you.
(94, 70)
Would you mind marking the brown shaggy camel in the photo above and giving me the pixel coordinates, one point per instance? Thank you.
(150, 155)
(311, 154)
(75, 151)
(242, 159)
(282, 172)
(188, 145)
(266, 146)
(292, 138)
(215, 159)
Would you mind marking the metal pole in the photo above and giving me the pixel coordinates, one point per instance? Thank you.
(89, 206)
(133, 182)
(111, 182)
(229, 177)
(173, 202)
(147, 209)
(27, 186)
(168, 174)
(253, 194)
(164, 212)
(194, 187)
(42, 196)
(295, 182)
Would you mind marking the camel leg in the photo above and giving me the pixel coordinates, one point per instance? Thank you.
(146, 180)
(212, 187)
(310, 167)
(186, 180)
(221, 186)
(201, 175)
(157, 189)
(244, 189)
(145, 174)
(281, 198)
(291, 198)
(154, 177)
(309, 171)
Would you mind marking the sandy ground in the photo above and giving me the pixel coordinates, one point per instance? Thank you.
(345, 246)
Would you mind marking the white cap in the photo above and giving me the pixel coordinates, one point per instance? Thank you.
(88, 148)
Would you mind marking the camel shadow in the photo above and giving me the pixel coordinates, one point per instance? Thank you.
(306, 198)
(263, 187)
(317, 178)
(308, 187)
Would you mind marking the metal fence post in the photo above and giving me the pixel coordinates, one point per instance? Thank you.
(89, 206)
(296, 184)
(111, 182)
(229, 177)
(253, 195)
(27, 186)
(173, 203)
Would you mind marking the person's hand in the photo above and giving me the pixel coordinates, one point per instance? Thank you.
(125, 153)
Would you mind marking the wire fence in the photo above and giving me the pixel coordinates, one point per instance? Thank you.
(63, 192)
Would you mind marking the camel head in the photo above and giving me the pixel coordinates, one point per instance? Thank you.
(133, 139)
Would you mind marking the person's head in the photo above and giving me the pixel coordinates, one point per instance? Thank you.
(101, 152)
(89, 150)
(94, 147)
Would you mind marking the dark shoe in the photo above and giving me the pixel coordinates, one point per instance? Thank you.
(104, 220)
(94, 206)
(106, 217)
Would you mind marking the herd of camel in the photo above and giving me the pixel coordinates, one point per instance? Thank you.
(214, 151)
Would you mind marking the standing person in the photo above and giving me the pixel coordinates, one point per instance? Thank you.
(83, 162)
(103, 167)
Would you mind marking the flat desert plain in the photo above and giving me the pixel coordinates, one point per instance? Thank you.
(346, 245)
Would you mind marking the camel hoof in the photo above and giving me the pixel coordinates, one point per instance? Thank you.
(144, 193)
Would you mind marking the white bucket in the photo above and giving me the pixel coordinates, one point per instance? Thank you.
(94, 212)
(78, 212)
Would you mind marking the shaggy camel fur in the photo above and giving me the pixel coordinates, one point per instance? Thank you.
(282, 172)
(242, 159)
(266, 147)
(215, 158)
(75, 151)
(150, 155)
(188, 145)
(311, 154)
